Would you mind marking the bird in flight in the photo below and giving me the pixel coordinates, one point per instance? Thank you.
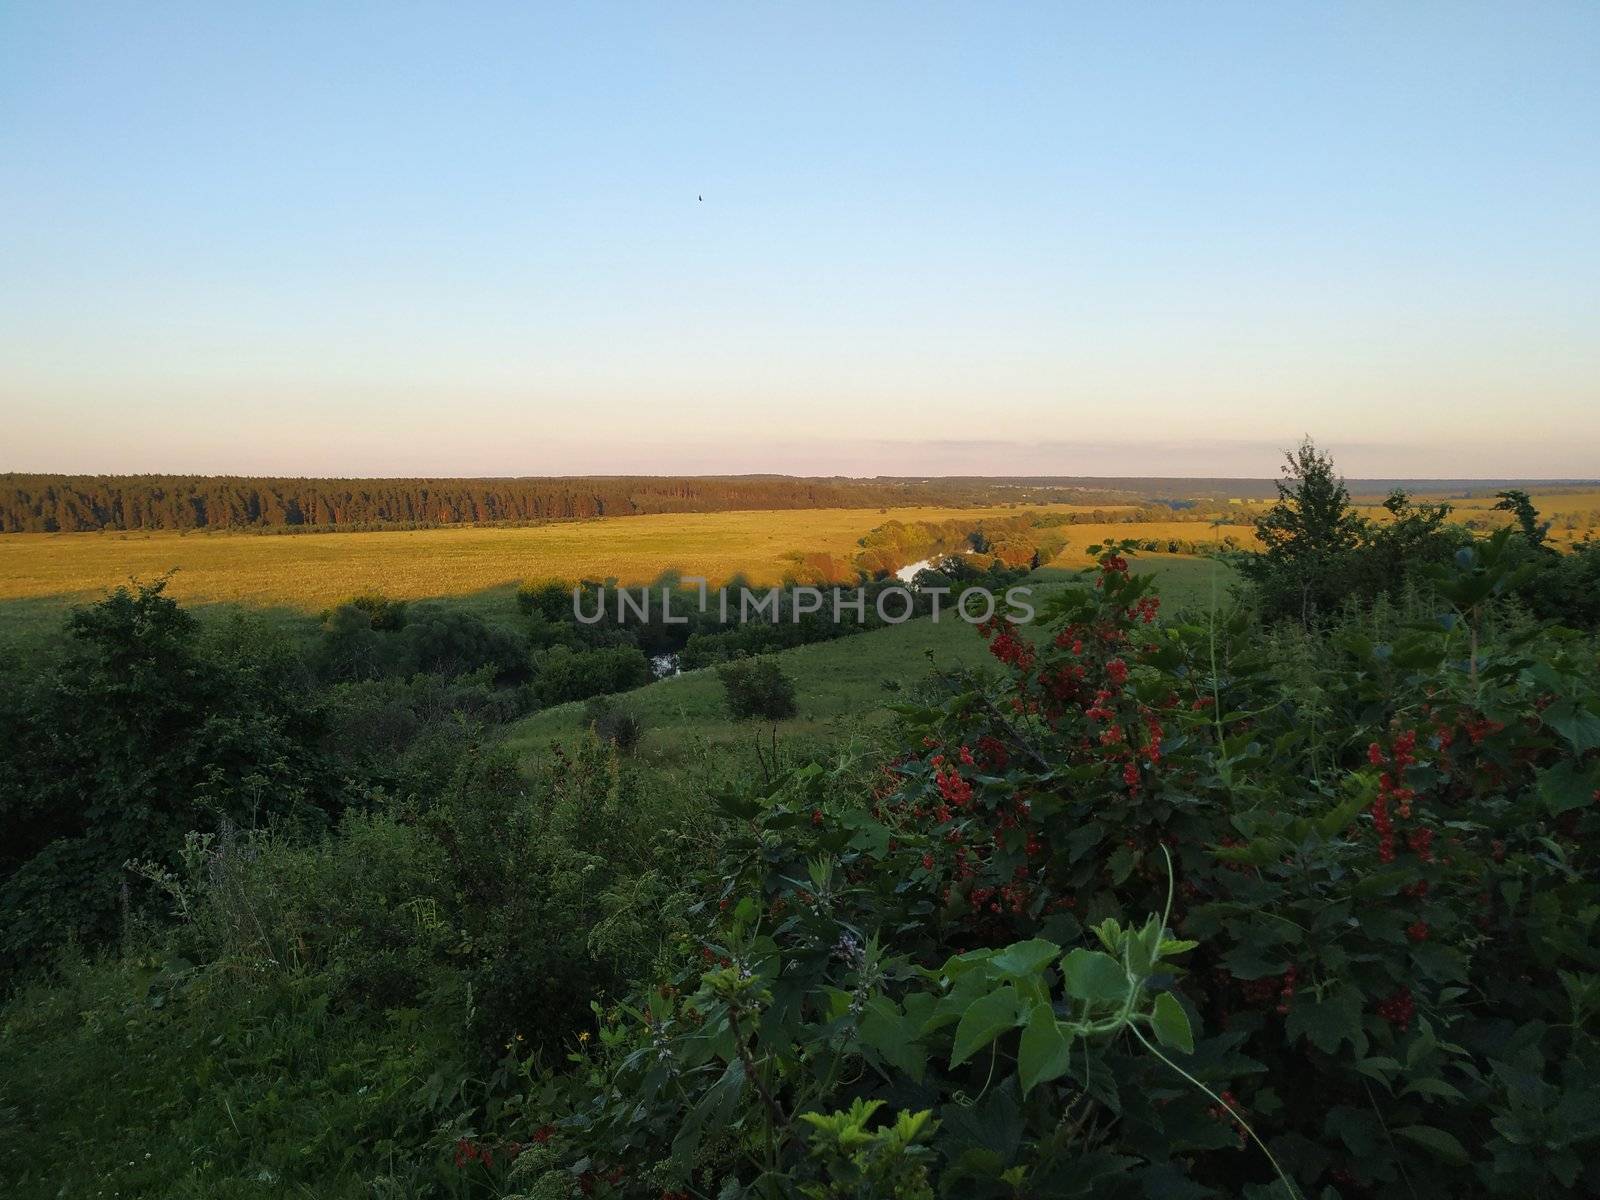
(702, 199)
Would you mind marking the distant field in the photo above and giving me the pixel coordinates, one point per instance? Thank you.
(298, 575)
(843, 686)
(1573, 514)
(1081, 537)
(310, 571)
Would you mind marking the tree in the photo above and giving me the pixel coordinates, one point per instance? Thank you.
(1308, 534)
(142, 733)
(757, 687)
(1520, 504)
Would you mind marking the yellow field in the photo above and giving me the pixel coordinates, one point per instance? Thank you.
(1571, 514)
(308, 572)
(1081, 537)
(311, 571)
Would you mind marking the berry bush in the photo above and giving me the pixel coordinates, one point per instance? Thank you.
(1141, 915)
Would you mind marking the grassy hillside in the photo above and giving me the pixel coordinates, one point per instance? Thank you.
(844, 685)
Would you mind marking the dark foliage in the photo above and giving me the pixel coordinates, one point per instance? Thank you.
(614, 723)
(72, 503)
(757, 688)
(1320, 554)
(142, 733)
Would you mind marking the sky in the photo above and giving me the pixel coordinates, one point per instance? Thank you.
(482, 239)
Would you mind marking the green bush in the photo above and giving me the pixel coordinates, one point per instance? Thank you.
(143, 732)
(551, 599)
(327, 1015)
(562, 674)
(757, 688)
(614, 723)
(383, 613)
(448, 642)
(1381, 973)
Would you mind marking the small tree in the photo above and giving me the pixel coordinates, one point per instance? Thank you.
(1520, 504)
(757, 687)
(1308, 535)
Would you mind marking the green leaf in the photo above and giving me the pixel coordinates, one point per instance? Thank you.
(1336, 1019)
(1337, 820)
(1046, 1050)
(1378, 1067)
(985, 1019)
(1566, 786)
(1256, 853)
(1023, 959)
(1575, 723)
(1095, 977)
(893, 1036)
(1122, 862)
(1171, 1023)
(1441, 1144)
(1432, 1087)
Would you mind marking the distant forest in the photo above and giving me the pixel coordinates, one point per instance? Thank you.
(70, 504)
(80, 503)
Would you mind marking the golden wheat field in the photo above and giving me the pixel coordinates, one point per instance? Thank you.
(311, 571)
(1081, 537)
(1573, 514)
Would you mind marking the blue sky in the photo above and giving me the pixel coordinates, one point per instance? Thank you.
(978, 238)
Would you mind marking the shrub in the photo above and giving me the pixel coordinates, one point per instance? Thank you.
(614, 723)
(563, 674)
(757, 688)
(551, 599)
(144, 732)
(1380, 973)
(384, 614)
(1320, 555)
(444, 641)
(351, 649)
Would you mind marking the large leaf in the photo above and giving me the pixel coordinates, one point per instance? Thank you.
(985, 1019)
(1335, 1019)
(715, 1108)
(1095, 977)
(1575, 723)
(1443, 1145)
(1046, 1049)
(1171, 1024)
(887, 1031)
(1023, 959)
(1567, 786)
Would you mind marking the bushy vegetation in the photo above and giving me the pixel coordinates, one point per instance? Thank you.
(614, 722)
(142, 732)
(1294, 896)
(1319, 554)
(1149, 913)
(757, 688)
(318, 1014)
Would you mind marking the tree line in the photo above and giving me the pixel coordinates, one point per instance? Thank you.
(78, 503)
